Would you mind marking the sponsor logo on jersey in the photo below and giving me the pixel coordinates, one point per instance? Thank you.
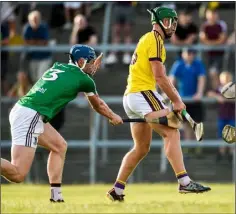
(41, 90)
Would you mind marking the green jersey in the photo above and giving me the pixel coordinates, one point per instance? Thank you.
(58, 86)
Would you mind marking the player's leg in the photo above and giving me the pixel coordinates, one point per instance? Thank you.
(174, 154)
(172, 144)
(142, 135)
(21, 161)
(26, 125)
(54, 142)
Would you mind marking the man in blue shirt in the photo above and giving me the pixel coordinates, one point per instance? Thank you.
(36, 33)
(190, 76)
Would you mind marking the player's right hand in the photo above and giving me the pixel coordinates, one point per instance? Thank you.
(179, 106)
(116, 120)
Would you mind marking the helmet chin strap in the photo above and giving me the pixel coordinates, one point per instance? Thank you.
(85, 61)
(91, 74)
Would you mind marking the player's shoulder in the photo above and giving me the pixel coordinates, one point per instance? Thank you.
(89, 78)
(60, 65)
(149, 38)
(149, 35)
(65, 66)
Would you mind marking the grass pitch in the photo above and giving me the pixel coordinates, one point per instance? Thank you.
(140, 198)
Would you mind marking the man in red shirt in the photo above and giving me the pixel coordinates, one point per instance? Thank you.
(214, 32)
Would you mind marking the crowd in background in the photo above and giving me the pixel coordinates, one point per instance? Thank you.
(188, 72)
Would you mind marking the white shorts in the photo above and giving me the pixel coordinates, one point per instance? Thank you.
(26, 126)
(137, 105)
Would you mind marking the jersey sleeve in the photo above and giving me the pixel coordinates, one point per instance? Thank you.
(90, 87)
(155, 48)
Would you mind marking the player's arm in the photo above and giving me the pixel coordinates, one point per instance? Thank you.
(99, 105)
(155, 49)
(163, 81)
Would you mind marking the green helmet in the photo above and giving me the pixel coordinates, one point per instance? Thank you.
(159, 13)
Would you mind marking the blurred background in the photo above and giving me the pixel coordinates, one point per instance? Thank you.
(36, 34)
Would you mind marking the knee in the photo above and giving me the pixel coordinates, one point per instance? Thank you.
(142, 151)
(62, 147)
(18, 178)
(171, 133)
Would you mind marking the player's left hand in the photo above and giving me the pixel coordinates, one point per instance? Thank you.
(98, 62)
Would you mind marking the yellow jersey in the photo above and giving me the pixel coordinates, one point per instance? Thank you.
(149, 48)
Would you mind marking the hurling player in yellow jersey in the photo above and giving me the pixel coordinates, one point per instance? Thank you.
(141, 99)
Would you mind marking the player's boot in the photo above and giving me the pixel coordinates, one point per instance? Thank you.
(115, 197)
(57, 201)
(193, 187)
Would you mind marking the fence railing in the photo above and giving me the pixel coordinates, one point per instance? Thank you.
(111, 47)
(94, 143)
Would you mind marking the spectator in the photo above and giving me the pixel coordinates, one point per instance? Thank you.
(213, 5)
(25, 9)
(124, 14)
(186, 32)
(4, 56)
(190, 75)
(83, 33)
(226, 110)
(214, 32)
(21, 87)
(8, 16)
(74, 8)
(36, 33)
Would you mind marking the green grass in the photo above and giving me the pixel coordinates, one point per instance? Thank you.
(140, 198)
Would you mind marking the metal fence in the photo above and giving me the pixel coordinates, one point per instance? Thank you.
(95, 143)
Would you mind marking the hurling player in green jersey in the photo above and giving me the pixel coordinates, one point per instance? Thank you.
(30, 116)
